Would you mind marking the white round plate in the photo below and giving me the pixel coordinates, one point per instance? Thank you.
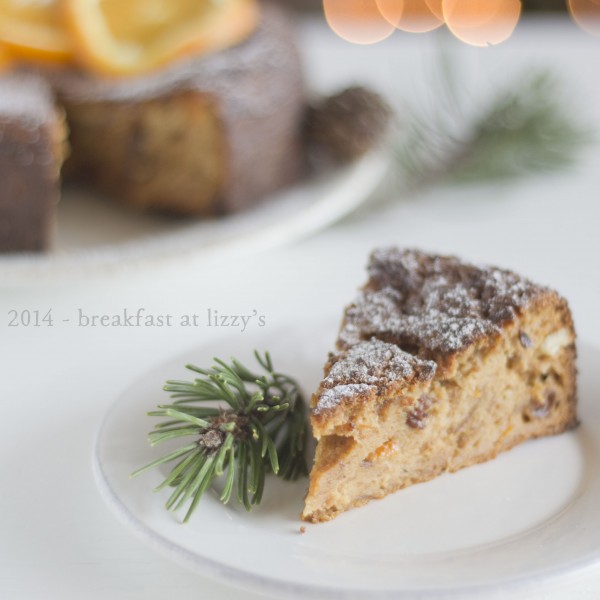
(529, 515)
(96, 235)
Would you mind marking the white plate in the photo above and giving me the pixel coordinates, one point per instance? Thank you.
(529, 515)
(95, 235)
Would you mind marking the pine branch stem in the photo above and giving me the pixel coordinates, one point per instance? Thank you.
(259, 427)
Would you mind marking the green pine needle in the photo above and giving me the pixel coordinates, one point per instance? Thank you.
(525, 128)
(259, 427)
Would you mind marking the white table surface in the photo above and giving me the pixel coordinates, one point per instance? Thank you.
(57, 538)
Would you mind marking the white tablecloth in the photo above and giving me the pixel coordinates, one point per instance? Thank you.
(57, 538)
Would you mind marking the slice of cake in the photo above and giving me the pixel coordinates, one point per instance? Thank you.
(32, 144)
(439, 365)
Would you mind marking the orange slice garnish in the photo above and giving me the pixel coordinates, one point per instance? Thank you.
(33, 29)
(125, 37)
(4, 59)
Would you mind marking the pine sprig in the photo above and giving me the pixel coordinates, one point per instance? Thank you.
(525, 128)
(259, 426)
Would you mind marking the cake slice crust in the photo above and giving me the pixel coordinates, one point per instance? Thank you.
(439, 365)
(32, 147)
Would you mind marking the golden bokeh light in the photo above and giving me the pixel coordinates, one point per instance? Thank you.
(586, 13)
(435, 6)
(357, 21)
(482, 23)
(415, 16)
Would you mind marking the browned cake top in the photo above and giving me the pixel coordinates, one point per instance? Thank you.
(366, 367)
(431, 305)
(416, 311)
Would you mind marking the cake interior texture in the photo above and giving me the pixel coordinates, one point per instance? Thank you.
(439, 365)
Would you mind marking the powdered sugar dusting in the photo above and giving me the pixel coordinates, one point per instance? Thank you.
(431, 305)
(26, 98)
(332, 397)
(372, 363)
(415, 311)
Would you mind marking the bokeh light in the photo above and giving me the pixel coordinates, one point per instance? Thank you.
(586, 13)
(482, 23)
(357, 21)
(415, 16)
(475, 22)
(435, 6)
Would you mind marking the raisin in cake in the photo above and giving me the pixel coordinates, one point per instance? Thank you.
(32, 144)
(439, 365)
(205, 136)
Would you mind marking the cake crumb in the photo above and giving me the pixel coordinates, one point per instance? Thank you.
(302, 530)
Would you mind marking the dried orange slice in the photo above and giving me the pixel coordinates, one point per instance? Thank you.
(124, 37)
(32, 29)
(4, 59)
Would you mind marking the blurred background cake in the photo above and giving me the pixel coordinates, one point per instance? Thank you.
(191, 109)
(205, 136)
(32, 134)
